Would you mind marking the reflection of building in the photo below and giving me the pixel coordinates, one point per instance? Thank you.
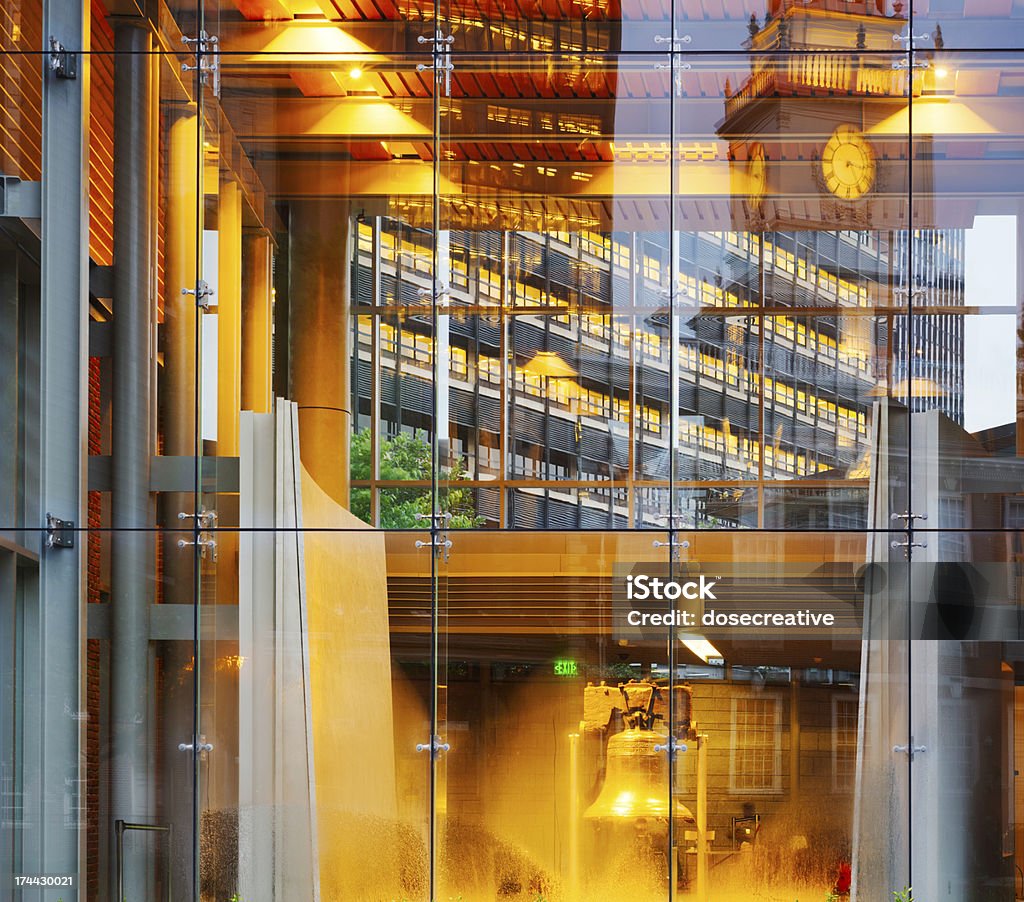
(813, 378)
(790, 328)
(837, 84)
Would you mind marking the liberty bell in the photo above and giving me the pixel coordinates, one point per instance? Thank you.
(636, 783)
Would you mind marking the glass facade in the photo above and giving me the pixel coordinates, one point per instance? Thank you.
(554, 451)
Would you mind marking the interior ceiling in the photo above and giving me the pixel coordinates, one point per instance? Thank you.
(487, 618)
(570, 119)
(475, 10)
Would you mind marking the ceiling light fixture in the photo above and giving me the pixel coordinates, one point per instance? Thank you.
(703, 649)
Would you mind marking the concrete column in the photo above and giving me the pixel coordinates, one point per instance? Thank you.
(180, 262)
(257, 311)
(132, 445)
(53, 608)
(219, 721)
(229, 316)
(319, 290)
(180, 433)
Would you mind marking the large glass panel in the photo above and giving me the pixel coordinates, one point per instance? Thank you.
(967, 713)
(556, 704)
(660, 26)
(789, 301)
(788, 718)
(553, 711)
(316, 692)
(137, 673)
(137, 669)
(964, 340)
(140, 658)
(319, 181)
(319, 246)
(553, 235)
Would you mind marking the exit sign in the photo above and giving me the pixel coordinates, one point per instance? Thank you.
(565, 668)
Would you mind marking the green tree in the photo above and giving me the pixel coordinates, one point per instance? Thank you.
(406, 458)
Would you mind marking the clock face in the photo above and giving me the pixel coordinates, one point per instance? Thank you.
(757, 173)
(848, 164)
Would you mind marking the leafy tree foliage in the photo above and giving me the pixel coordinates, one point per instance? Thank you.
(406, 458)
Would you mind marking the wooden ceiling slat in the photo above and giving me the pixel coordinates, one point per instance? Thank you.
(317, 83)
(558, 10)
(367, 11)
(563, 89)
(542, 85)
(523, 82)
(379, 84)
(419, 84)
(506, 86)
(347, 10)
(488, 85)
(388, 9)
(369, 150)
(475, 88)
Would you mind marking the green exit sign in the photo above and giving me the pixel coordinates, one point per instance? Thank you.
(566, 668)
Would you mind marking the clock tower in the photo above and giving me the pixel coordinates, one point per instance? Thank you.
(803, 146)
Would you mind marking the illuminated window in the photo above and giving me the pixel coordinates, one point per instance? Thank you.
(652, 268)
(457, 361)
(489, 284)
(651, 420)
(530, 383)
(755, 753)
(620, 254)
(387, 338)
(597, 325)
(489, 369)
(365, 237)
(648, 343)
(844, 744)
(599, 246)
(417, 347)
